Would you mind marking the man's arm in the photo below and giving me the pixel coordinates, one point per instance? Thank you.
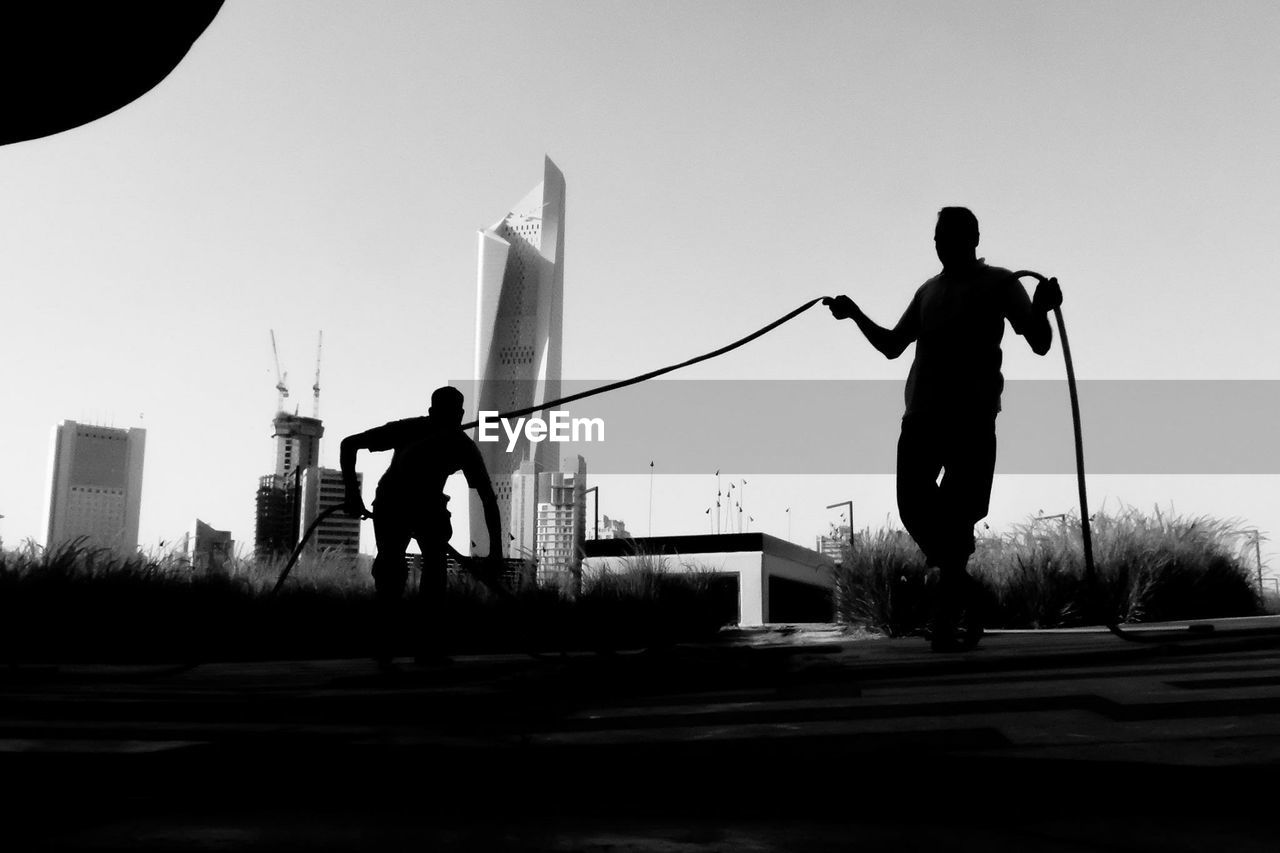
(492, 521)
(478, 478)
(1030, 317)
(354, 501)
(890, 342)
(378, 438)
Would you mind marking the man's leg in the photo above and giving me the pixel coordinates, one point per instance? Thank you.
(919, 497)
(391, 535)
(965, 495)
(430, 629)
(927, 515)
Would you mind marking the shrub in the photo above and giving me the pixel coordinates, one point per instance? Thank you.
(1156, 567)
(883, 583)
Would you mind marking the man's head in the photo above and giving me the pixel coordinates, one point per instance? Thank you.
(956, 236)
(446, 405)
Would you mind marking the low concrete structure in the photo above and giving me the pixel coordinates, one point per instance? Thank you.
(778, 581)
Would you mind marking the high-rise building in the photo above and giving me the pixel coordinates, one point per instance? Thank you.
(275, 529)
(95, 486)
(279, 498)
(522, 540)
(561, 523)
(519, 308)
(322, 489)
(297, 442)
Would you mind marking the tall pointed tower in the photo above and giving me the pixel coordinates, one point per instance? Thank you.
(519, 313)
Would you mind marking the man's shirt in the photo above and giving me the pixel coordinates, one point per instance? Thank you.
(957, 320)
(426, 455)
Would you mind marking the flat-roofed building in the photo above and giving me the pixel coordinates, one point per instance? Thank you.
(95, 487)
(771, 579)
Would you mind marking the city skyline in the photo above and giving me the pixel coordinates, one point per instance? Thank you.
(317, 166)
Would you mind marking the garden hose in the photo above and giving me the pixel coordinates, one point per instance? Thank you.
(654, 374)
(1091, 574)
(1086, 534)
(464, 561)
(591, 392)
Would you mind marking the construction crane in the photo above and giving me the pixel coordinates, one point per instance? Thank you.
(282, 389)
(315, 389)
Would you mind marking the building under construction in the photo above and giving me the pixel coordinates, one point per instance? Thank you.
(289, 499)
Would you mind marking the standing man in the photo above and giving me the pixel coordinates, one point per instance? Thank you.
(410, 503)
(956, 319)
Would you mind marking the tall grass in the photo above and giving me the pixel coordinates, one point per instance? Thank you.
(671, 597)
(80, 603)
(1150, 567)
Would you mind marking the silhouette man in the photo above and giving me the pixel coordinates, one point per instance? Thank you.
(410, 503)
(956, 319)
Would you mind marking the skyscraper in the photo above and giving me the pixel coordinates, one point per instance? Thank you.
(278, 504)
(95, 486)
(519, 308)
(275, 518)
(561, 523)
(297, 442)
(526, 492)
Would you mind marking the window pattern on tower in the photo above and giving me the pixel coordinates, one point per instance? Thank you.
(522, 354)
(516, 352)
(95, 512)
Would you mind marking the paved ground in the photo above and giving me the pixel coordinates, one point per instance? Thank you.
(793, 739)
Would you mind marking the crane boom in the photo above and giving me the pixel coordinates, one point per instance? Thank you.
(282, 389)
(315, 389)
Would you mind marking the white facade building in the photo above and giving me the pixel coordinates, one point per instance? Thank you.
(519, 309)
(322, 489)
(95, 486)
(777, 581)
(561, 523)
(523, 525)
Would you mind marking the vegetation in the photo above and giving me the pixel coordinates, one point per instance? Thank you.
(1150, 568)
(82, 604)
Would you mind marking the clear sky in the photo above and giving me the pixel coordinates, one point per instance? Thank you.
(325, 165)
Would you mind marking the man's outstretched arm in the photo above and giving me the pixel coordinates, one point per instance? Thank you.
(890, 342)
(351, 445)
(478, 478)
